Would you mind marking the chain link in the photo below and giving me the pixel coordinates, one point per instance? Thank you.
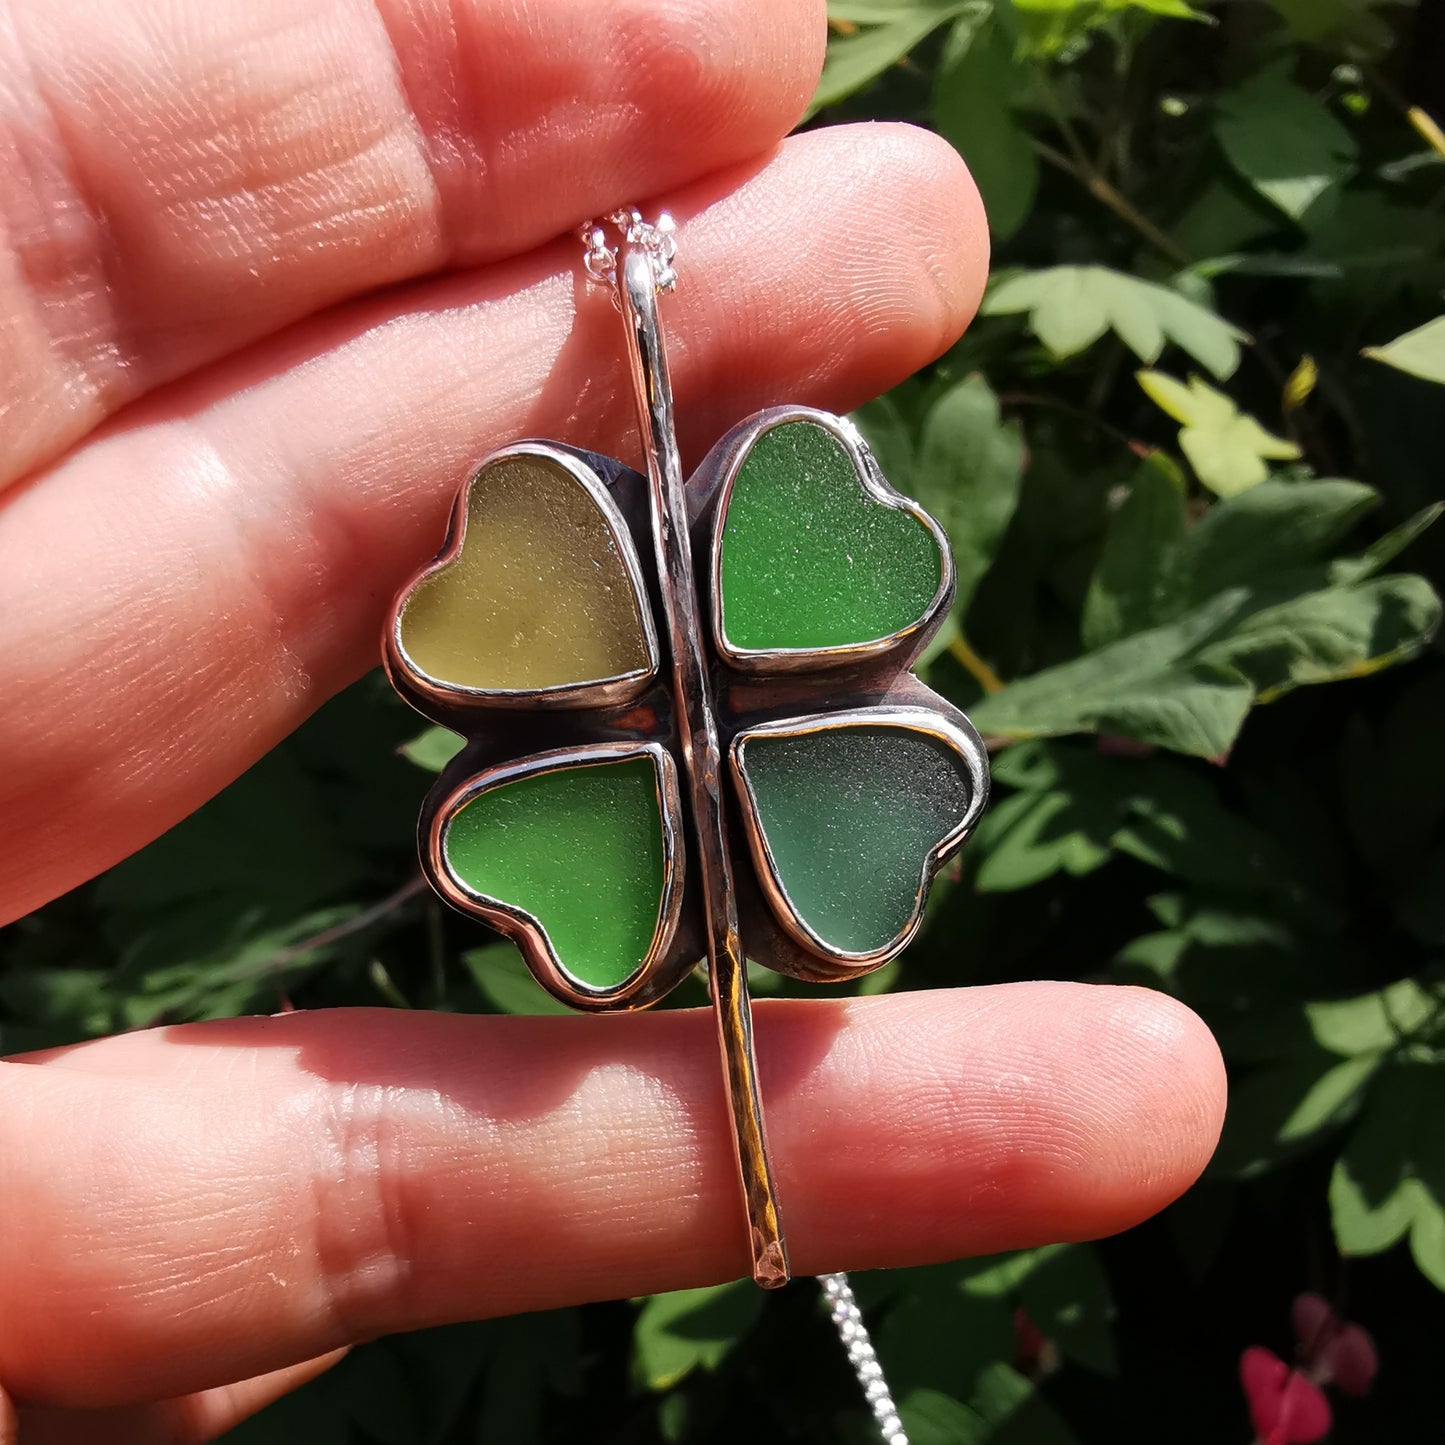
(657, 239)
(852, 1330)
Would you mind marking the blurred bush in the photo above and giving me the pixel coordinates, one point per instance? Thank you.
(1188, 456)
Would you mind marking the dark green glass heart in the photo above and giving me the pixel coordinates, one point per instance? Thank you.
(851, 816)
(809, 559)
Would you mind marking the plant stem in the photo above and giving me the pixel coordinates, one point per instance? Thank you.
(1082, 170)
(1065, 408)
(974, 665)
(357, 923)
(1430, 132)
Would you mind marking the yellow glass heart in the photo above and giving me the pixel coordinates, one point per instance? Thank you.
(540, 594)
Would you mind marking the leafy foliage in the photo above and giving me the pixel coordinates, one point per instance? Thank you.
(1420, 352)
(1153, 581)
(1071, 307)
(1228, 451)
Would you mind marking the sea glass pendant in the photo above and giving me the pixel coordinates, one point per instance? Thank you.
(671, 763)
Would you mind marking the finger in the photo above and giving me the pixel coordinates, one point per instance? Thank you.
(189, 1420)
(177, 597)
(226, 1198)
(176, 179)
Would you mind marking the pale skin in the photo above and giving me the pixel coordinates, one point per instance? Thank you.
(271, 275)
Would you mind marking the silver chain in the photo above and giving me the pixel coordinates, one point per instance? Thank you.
(659, 241)
(657, 238)
(852, 1330)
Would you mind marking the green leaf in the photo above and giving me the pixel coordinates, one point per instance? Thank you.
(973, 110)
(1342, 23)
(1014, 1410)
(1328, 635)
(1137, 566)
(1420, 352)
(1057, 27)
(1077, 806)
(1189, 683)
(1270, 529)
(1145, 687)
(1381, 553)
(1372, 1022)
(1390, 1180)
(692, 1328)
(967, 474)
(887, 32)
(1284, 142)
(1226, 448)
(1031, 836)
(933, 1418)
(499, 971)
(886, 430)
(1071, 307)
(1279, 1110)
(433, 749)
(185, 966)
(1067, 1296)
(62, 1005)
(1177, 823)
(936, 1333)
(1223, 959)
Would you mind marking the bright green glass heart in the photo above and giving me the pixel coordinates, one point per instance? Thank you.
(809, 559)
(851, 816)
(580, 850)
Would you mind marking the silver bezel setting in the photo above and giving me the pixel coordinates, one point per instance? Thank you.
(526, 930)
(874, 485)
(412, 680)
(965, 742)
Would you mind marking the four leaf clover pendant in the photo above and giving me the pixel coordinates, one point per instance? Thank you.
(672, 760)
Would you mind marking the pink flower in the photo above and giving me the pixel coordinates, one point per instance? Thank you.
(1285, 1406)
(1334, 1351)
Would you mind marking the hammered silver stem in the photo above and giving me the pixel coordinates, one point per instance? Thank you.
(853, 1332)
(642, 271)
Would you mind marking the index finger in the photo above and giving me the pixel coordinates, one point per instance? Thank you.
(205, 1203)
(177, 179)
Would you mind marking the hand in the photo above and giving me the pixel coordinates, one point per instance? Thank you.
(272, 275)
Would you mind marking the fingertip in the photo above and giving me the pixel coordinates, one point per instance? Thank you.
(939, 209)
(719, 82)
(1014, 1115)
(1161, 1088)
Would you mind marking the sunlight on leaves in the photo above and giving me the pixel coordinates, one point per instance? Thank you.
(1188, 685)
(1071, 307)
(433, 749)
(1420, 352)
(876, 34)
(967, 474)
(1227, 449)
(1136, 568)
(1390, 1180)
(1284, 142)
(501, 976)
(691, 1329)
(973, 109)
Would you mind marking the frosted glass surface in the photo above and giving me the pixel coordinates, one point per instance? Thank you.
(539, 596)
